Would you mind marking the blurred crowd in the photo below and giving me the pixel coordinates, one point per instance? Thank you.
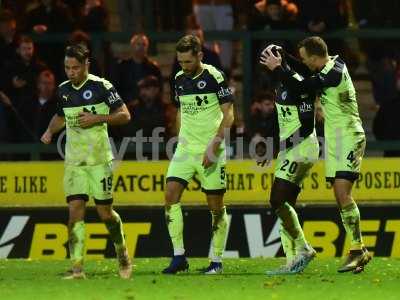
(32, 65)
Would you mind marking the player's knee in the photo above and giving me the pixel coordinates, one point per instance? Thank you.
(106, 215)
(275, 203)
(343, 198)
(171, 197)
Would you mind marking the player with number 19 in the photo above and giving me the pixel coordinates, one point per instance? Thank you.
(86, 105)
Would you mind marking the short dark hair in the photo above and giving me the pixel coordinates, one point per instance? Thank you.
(78, 51)
(314, 45)
(189, 43)
(24, 39)
(149, 81)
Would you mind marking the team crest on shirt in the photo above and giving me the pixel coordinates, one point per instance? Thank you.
(87, 94)
(201, 84)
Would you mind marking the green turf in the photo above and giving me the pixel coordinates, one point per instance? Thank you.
(242, 279)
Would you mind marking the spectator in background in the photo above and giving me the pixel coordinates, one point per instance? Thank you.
(387, 123)
(38, 113)
(8, 27)
(131, 14)
(272, 15)
(22, 71)
(81, 37)
(216, 15)
(209, 56)
(129, 72)
(51, 16)
(168, 19)
(5, 104)
(94, 16)
(318, 20)
(20, 84)
(149, 113)
(383, 70)
(332, 16)
(376, 14)
(269, 15)
(263, 121)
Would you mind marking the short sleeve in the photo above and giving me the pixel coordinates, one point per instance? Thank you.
(176, 97)
(112, 98)
(224, 93)
(59, 104)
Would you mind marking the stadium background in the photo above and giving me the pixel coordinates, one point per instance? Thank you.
(33, 213)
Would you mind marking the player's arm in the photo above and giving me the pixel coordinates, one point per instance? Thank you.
(224, 128)
(226, 123)
(175, 100)
(56, 124)
(296, 64)
(119, 114)
(178, 121)
(225, 98)
(311, 84)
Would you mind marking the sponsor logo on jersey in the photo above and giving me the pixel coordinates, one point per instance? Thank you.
(201, 84)
(305, 107)
(224, 92)
(284, 95)
(65, 97)
(114, 97)
(88, 94)
(199, 100)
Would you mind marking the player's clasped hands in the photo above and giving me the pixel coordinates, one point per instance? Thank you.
(269, 59)
(87, 119)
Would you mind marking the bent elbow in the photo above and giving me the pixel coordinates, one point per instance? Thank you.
(127, 118)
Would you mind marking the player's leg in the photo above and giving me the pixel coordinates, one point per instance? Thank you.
(114, 225)
(284, 192)
(77, 190)
(101, 187)
(180, 171)
(76, 235)
(346, 169)
(292, 166)
(219, 220)
(358, 255)
(213, 182)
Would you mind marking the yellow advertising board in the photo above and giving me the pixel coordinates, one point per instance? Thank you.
(143, 183)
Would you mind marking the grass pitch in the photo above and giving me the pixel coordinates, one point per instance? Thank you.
(242, 279)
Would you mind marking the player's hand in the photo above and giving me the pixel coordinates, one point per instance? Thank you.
(46, 137)
(269, 48)
(210, 156)
(87, 119)
(271, 61)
